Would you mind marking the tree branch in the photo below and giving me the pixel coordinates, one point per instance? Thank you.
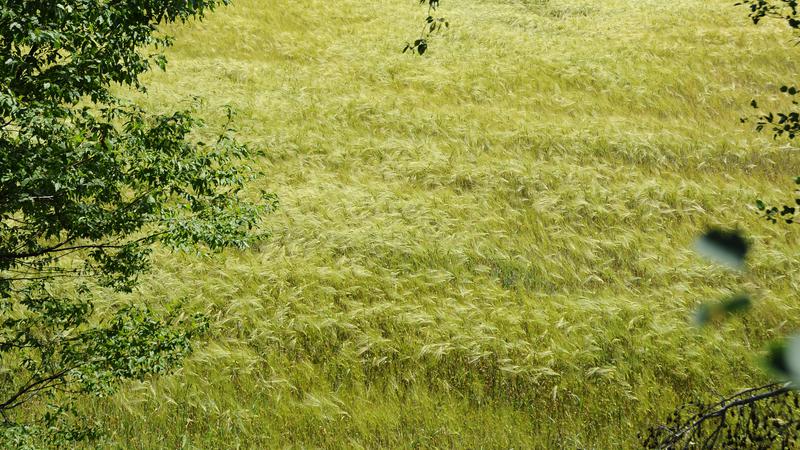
(721, 408)
(30, 388)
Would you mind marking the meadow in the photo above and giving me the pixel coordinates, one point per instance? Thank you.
(489, 246)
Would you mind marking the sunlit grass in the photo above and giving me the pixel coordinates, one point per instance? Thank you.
(485, 247)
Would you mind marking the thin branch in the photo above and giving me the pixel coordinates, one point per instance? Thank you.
(721, 409)
(30, 387)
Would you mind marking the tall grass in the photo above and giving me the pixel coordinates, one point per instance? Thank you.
(485, 247)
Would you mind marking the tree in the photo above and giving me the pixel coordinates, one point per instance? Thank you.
(89, 184)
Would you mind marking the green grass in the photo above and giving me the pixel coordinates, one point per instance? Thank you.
(485, 247)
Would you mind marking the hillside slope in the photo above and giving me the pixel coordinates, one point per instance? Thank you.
(485, 247)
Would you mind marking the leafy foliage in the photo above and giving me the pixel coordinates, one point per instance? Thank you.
(780, 9)
(432, 24)
(89, 183)
(786, 213)
(785, 123)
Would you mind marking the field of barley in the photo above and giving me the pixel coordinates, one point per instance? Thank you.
(489, 246)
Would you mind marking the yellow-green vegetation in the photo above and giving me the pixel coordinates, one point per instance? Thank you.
(485, 247)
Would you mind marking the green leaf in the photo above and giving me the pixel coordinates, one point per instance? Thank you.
(776, 362)
(792, 358)
(725, 247)
(783, 359)
(703, 315)
(713, 312)
(736, 304)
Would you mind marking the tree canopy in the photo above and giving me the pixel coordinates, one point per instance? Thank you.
(89, 183)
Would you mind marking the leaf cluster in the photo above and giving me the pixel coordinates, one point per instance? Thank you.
(784, 123)
(778, 9)
(432, 25)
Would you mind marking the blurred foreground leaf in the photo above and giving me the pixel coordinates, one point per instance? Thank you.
(783, 359)
(725, 247)
(717, 311)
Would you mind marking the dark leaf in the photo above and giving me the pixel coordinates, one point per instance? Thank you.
(726, 247)
(717, 311)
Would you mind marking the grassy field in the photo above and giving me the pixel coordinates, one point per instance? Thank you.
(485, 247)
